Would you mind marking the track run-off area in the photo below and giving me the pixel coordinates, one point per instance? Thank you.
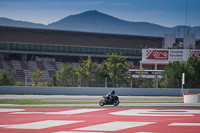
(99, 120)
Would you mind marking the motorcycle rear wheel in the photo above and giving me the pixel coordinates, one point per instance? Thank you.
(116, 102)
(101, 103)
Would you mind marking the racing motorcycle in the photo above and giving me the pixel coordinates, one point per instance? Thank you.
(109, 99)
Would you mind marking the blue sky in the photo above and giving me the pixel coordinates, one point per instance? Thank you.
(163, 12)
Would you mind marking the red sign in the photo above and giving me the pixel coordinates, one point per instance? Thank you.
(157, 54)
(194, 53)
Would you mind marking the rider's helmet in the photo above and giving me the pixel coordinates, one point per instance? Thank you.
(113, 92)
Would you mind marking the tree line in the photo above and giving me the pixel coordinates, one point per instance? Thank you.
(111, 71)
(114, 72)
(172, 74)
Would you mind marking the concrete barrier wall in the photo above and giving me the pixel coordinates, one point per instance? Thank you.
(191, 98)
(94, 91)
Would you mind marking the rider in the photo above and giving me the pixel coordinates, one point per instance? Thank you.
(110, 95)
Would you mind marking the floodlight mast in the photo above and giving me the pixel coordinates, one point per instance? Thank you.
(183, 79)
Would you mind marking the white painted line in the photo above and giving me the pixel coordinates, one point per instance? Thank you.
(154, 112)
(145, 132)
(68, 112)
(3, 125)
(40, 124)
(10, 110)
(114, 126)
(75, 132)
(76, 111)
(28, 113)
(184, 124)
(180, 111)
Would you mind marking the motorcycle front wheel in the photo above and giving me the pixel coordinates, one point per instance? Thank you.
(101, 103)
(116, 102)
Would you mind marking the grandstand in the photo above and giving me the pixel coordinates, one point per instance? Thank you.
(27, 49)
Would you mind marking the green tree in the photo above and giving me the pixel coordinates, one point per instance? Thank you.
(172, 74)
(37, 78)
(146, 83)
(88, 73)
(6, 78)
(192, 74)
(65, 77)
(116, 69)
(52, 81)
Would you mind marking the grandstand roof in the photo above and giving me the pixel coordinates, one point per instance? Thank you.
(74, 38)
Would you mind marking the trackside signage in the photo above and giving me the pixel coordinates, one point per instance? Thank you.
(169, 54)
(177, 55)
(157, 54)
(194, 53)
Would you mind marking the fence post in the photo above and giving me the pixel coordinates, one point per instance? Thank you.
(105, 82)
(131, 82)
(25, 80)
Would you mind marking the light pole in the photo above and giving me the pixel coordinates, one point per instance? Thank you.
(183, 79)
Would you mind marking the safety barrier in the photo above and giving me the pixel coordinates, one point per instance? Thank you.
(191, 98)
(94, 91)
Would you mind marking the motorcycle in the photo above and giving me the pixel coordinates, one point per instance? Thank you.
(107, 100)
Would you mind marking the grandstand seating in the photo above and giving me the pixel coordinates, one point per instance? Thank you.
(22, 69)
(20, 73)
(51, 73)
(5, 66)
(59, 65)
(24, 66)
(16, 64)
(48, 66)
(32, 65)
(53, 64)
(40, 65)
(28, 75)
(45, 75)
(9, 64)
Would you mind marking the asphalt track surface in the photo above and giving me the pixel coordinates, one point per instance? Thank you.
(92, 98)
(91, 118)
(100, 120)
(137, 101)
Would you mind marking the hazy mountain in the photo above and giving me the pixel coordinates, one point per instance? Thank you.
(94, 21)
(15, 23)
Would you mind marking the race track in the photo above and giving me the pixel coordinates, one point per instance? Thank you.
(100, 120)
(92, 98)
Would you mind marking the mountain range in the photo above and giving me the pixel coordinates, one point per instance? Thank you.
(94, 21)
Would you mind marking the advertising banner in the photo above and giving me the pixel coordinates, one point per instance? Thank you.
(149, 72)
(157, 54)
(168, 54)
(194, 53)
(178, 55)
